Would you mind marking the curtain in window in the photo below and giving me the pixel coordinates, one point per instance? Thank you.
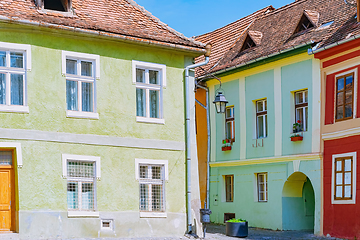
(2, 88)
(16, 60)
(144, 197)
(2, 59)
(87, 97)
(140, 102)
(72, 95)
(72, 195)
(154, 104)
(71, 66)
(17, 89)
(87, 196)
(86, 69)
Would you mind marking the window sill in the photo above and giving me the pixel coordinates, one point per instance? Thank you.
(79, 214)
(153, 214)
(352, 201)
(14, 108)
(150, 120)
(78, 114)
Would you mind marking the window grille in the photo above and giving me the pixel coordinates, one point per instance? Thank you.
(81, 185)
(152, 184)
(5, 158)
(262, 187)
(261, 119)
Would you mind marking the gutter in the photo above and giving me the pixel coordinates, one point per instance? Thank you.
(188, 136)
(260, 58)
(107, 34)
(313, 51)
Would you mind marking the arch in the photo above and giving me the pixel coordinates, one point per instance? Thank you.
(298, 203)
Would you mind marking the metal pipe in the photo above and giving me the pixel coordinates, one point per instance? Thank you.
(311, 51)
(188, 139)
(208, 147)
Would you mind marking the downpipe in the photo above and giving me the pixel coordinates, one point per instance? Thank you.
(188, 136)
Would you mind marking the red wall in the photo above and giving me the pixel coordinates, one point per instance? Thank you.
(341, 220)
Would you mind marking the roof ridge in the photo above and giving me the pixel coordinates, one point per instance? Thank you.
(157, 20)
(286, 7)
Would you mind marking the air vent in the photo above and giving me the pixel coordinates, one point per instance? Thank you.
(107, 224)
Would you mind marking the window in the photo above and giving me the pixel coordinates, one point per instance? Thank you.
(81, 73)
(81, 173)
(262, 187)
(304, 24)
(230, 124)
(344, 178)
(301, 110)
(149, 79)
(248, 43)
(229, 188)
(56, 5)
(344, 97)
(261, 119)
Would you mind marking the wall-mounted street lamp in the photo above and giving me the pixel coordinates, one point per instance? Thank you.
(220, 102)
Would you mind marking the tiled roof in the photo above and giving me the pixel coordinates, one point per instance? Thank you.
(277, 28)
(119, 17)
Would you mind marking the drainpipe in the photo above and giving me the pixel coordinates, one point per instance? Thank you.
(188, 142)
(207, 202)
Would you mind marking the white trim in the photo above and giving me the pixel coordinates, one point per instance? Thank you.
(242, 109)
(83, 158)
(316, 105)
(139, 161)
(90, 139)
(19, 47)
(352, 201)
(18, 152)
(81, 114)
(74, 214)
(278, 111)
(155, 66)
(14, 108)
(341, 134)
(85, 56)
(150, 120)
(153, 214)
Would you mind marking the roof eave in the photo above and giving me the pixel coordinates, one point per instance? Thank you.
(311, 51)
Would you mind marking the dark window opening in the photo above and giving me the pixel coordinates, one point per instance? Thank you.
(304, 24)
(56, 5)
(248, 43)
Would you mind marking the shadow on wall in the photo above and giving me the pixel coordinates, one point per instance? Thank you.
(298, 203)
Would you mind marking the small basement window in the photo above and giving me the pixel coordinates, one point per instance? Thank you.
(57, 5)
(106, 224)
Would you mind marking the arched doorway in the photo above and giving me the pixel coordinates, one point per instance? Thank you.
(298, 203)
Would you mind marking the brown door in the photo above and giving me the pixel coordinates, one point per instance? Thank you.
(7, 213)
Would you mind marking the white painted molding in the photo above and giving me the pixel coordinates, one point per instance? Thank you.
(150, 120)
(85, 56)
(19, 47)
(82, 158)
(278, 111)
(18, 152)
(155, 66)
(14, 108)
(79, 114)
(150, 162)
(153, 214)
(316, 105)
(90, 139)
(296, 165)
(242, 122)
(340, 134)
(79, 214)
(353, 200)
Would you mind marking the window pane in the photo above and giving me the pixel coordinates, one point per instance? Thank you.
(140, 75)
(306, 118)
(266, 129)
(16, 60)
(260, 126)
(347, 191)
(300, 117)
(348, 96)
(2, 89)
(349, 82)
(80, 169)
(306, 96)
(144, 197)
(154, 77)
(338, 190)
(261, 196)
(154, 104)
(340, 98)
(348, 110)
(156, 172)
(339, 112)
(143, 171)
(340, 84)
(71, 66)
(2, 59)
(339, 178)
(259, 106)
(299, 97)
(265, 103)
(347, 178)
(87, 196)
(228, 130)
(72, 95)
(17, 89)
(347, 165)
(87, 96)
(228, 113)
(338, 166)
(157, 197)
(5, 158)
(86, 69)
(140, 102)
(72, 195)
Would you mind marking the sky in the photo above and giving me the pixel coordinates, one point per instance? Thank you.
(195, 17)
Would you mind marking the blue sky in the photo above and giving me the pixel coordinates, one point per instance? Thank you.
(195, 17)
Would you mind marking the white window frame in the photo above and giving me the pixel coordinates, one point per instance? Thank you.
(230, 119)
(265, 186)
(95, 60)
(151, 162)
(264, 116)
(83, 158)
(350, 201)
(26, 51)
(305, 123)
(162, 70)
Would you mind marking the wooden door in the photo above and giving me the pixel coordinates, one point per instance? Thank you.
(6, 199)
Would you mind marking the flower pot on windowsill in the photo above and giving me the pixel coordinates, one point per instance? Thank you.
(296, 138)
(226, 148)
(237, 229)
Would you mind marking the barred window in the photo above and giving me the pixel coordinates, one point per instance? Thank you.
(152, 188)
(81, 185)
